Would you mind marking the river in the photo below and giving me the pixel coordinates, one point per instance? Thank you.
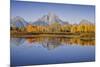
(50, 50)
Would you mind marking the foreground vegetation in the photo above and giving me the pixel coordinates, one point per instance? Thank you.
(55, 29)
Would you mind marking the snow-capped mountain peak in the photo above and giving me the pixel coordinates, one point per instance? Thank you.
(50, 18)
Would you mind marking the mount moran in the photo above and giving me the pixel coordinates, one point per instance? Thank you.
(48, 19)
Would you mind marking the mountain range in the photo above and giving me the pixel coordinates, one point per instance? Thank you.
(50, 18)
(18, 22)
(45, 20)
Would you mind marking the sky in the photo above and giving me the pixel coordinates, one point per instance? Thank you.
(32, 11)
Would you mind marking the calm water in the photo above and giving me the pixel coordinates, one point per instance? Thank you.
(48, 50)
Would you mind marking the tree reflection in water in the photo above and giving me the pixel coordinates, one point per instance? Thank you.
(53, 42)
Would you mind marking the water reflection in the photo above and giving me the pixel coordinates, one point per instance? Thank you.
(53, 42)
(17, 41)
(47, 50)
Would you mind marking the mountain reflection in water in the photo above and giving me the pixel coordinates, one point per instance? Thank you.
(53, 42)
(47, 50)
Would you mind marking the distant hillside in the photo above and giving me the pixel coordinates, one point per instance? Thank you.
(18, 22)
(48, 19)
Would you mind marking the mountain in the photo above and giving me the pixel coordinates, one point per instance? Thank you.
(85, 22)
(18, 22)
(40, 23)
(48, 19)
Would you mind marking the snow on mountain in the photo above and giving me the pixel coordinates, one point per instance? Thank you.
(18, 22)
(48, 19)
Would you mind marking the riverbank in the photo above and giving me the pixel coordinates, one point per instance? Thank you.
(83, 36)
